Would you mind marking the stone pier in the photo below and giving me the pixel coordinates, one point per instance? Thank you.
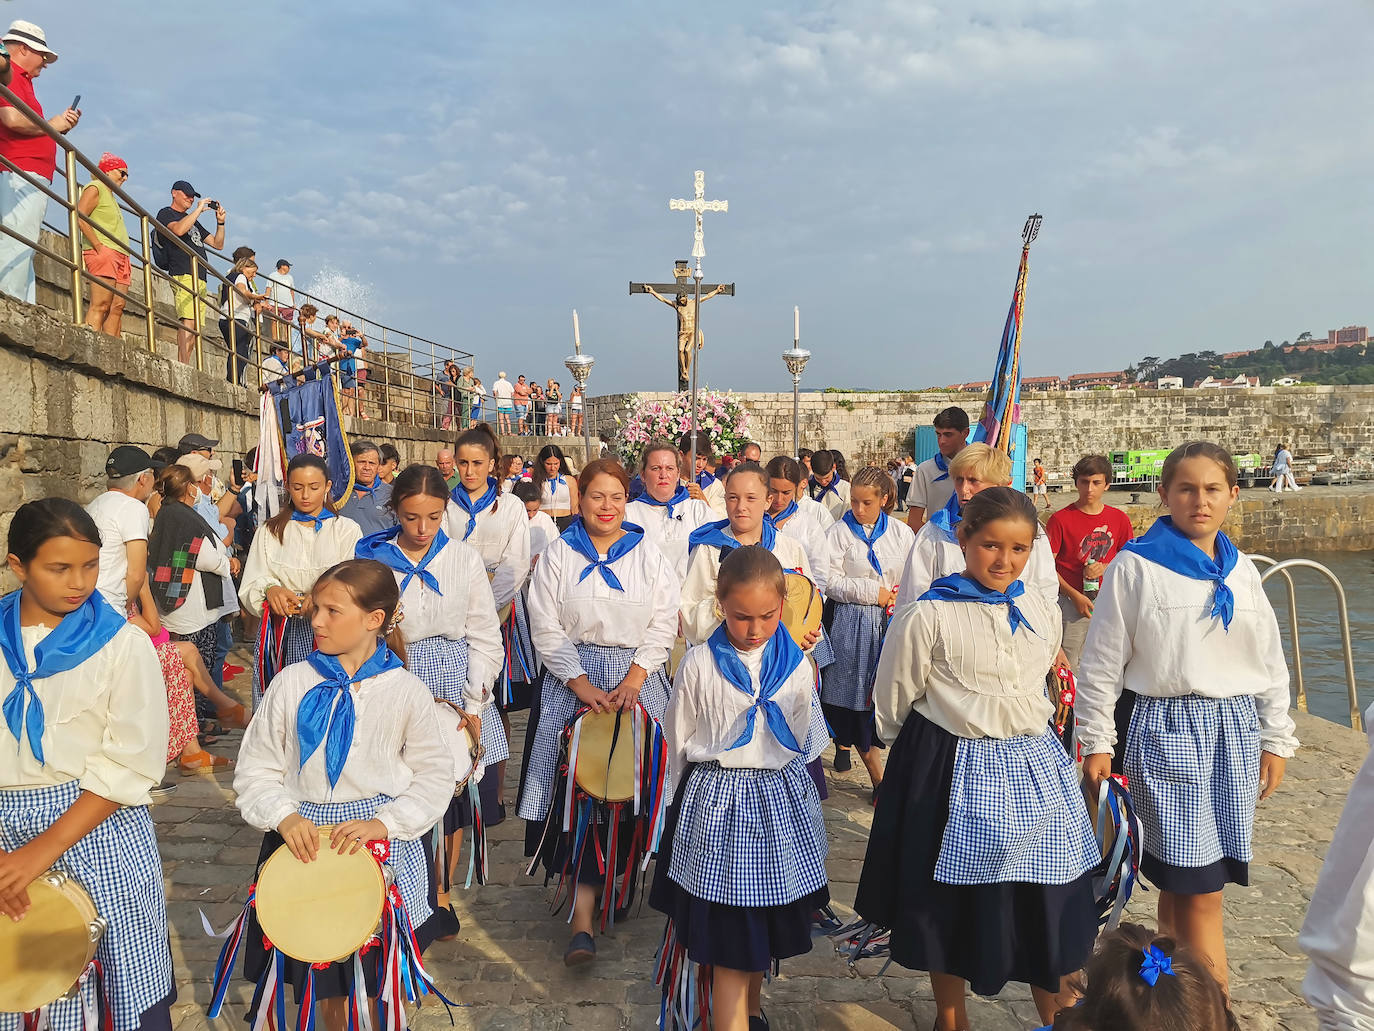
(505, 970)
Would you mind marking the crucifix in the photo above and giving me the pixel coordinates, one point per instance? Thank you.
(678, 296)
(688, 309)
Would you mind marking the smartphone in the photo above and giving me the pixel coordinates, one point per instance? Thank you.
(76, 103)
(213, 205)
(238, 470)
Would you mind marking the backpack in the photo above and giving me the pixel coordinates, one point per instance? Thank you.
(161, 249)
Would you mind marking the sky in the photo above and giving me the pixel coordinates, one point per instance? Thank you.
(475, 171)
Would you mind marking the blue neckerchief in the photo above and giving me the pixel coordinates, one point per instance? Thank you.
(833, 487)
(941, 463)
(512, 480)
(318, 520)
(705, 478)
(326, 712)
(463, 500)
(679, 496)
(363, 488)
(947, 518)
(959, 587)
(1164, 544)
(381, 546)
(786, 514)
(781, 657)
(714, 534)
(879, 528)
(554, 484)
(82, 633)
(580, 542)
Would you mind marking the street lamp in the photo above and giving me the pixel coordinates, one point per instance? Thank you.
(795, 358)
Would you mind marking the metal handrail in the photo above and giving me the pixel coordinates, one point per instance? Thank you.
(399, 356)
(1275, 566)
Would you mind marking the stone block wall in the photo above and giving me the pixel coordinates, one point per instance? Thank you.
(1064, 425)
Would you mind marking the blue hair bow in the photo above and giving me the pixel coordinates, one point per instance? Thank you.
(1156, 963)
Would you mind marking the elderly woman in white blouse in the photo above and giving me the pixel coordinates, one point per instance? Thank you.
(603, 611)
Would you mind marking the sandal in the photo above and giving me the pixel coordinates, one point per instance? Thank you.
(202, 762)
(233, 717)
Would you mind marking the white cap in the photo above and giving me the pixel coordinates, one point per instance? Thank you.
(500, 375)
(31, 36)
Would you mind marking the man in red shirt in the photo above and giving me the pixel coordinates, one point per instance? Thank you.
(26, 147)
(1084, 537)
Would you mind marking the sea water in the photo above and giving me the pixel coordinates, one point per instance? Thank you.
(1323, 660)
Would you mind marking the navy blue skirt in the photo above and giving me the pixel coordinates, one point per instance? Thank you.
(852, 729)
(459, 813)
(750, 938)
(987, 934)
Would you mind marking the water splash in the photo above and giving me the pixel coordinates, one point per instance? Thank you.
(342, 293)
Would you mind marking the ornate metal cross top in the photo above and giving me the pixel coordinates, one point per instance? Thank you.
(699, 204)
(1031, 229)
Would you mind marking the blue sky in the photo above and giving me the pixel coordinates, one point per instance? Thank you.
(484, 168)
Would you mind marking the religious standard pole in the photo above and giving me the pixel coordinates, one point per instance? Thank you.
(580, 367)
(697, 204)
(795, 359)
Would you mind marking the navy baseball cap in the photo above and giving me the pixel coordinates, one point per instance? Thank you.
(185, 187)
(127, 460)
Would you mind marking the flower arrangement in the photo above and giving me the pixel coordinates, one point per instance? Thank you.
(721, 419)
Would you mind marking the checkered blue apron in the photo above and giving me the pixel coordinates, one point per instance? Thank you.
(442, 663)
(298, 641)
(407, 859)
(750, 837)
(118, 865)
(858, 636)
(606, 667)
(1015, 814)
(1193, 764)
(817, 734)
(521, 658)
(824, 651)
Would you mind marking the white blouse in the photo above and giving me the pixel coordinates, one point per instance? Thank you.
(211, 560)
(398, 750)
(297, 560)
(836, 502)
(810, 534)
(566, 611)
(934, 555)
(959, 665)
(671, 534)
(554, 497)
(464, 610)
(816, 512)
(852, 578)
(502, 538)
(104, 722)
(700, 613)
(715, 498)
(543, 532)
(1152, 633)
(706, 714)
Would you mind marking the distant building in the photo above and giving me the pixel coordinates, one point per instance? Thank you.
(1286, 381)
(1042, 383)
(1348, 336)
(1237, 382)
(1088, 380)
(1169, 383)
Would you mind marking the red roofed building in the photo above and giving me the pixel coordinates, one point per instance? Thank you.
(1088, 380)
(1042, 383)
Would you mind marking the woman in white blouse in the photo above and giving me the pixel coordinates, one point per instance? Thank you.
(745, 862)
(82, 743)
(666, 509)
(981, 854)
(557, 492)
(348, 739)
(496, 525)
(289, 552)
(603, 613)
(868, 550)
(452, 640)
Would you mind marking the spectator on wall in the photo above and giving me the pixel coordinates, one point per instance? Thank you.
(105, 247)
(242, 302)
(503, 393)
(180, 219)
(281, 290)
(24, 144)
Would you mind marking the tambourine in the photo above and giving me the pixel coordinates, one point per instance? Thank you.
(44, 955)
(503, 613)
(801, 607)
(466, 750)
(604, 765)
(325, 910)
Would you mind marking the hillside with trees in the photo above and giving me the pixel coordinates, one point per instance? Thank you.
(1344, 365)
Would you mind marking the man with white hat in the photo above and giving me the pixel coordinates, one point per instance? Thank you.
(23, 203)
(503, 390)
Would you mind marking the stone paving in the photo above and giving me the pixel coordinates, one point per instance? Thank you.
(506, 973)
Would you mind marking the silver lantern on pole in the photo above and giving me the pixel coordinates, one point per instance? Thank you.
(795, 358)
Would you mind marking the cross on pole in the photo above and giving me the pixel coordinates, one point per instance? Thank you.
(697, 205)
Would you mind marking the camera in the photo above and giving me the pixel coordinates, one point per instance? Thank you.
(212, 205)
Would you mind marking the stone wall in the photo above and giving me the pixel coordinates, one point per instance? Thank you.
(1064, 425)
(1318, 519)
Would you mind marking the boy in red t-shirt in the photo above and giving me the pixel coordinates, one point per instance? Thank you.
(1084, 537)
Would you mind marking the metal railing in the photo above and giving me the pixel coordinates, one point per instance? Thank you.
(406, 374)
(1274, 567)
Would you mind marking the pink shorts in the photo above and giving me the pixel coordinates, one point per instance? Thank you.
(108, 263)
